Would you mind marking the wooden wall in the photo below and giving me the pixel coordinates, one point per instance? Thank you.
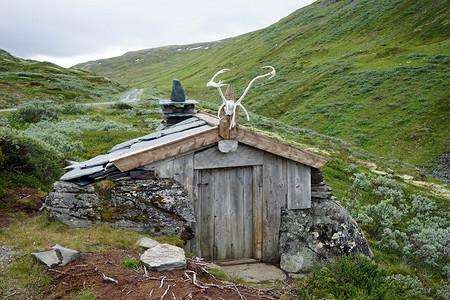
(237, 198)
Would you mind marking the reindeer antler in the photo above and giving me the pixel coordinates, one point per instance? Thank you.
(271, 73)
(229, 105)
(217, 85)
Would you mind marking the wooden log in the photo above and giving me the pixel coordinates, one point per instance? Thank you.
(210, 119)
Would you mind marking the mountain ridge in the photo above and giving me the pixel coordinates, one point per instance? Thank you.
(374, 73)
(24, 80)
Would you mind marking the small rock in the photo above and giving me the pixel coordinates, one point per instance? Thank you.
(147, 243)
(291, 263)
(164, 257)
(57, 257)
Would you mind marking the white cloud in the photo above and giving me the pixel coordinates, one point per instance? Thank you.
(72, 31)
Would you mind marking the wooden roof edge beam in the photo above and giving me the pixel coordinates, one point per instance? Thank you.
(165, 150)
(278, 148)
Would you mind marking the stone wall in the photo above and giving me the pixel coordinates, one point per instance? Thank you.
(139, 201)
(153, 206)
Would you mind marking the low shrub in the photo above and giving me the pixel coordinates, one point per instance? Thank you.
(411, 227)
(72, 108)
(121, 106)
(23, 156)
(357, 277)
(33, 112)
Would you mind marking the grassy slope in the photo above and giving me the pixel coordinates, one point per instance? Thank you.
(24, 80)
(374, 73)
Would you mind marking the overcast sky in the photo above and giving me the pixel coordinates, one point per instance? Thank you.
(68, 32)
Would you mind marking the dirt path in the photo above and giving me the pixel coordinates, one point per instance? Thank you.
(128, 97)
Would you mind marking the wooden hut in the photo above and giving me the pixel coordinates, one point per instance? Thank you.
(238, 181)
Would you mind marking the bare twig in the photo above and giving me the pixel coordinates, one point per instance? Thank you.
(165, 293)
(188, 295)
(145, 271)
(162, 282)
(240, 295)
(10, 295)
(194, 279)
(207, 272)
(66, 273)
(106, 278)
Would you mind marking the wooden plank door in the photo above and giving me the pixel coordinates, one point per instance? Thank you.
(227, 226)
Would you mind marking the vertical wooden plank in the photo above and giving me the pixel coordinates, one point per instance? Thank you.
(233, 210)
(207, 214)
(183, 171)
(227, 220)
(221, 215)
(237, 212)
(298, 185)
(274, 195)
(195, 242)
(247, 212)
(164, 170)
(257, 184)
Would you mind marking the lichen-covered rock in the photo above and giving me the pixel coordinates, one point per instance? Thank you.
(152, 206)
(322, 233)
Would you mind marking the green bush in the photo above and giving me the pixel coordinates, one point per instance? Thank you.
(356, 277)
(33, 112)
(121, 106)
(24, 156)
(72, 108)
(411, 227)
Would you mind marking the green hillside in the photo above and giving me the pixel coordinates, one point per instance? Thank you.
(374, 73)
(24, 80)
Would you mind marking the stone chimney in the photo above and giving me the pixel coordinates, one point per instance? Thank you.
(177, 108)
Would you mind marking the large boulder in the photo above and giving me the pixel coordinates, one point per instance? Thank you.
(320, 234)
(152, 206)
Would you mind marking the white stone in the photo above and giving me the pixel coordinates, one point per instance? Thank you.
(291, 263)
(164, 257)
(147, 242)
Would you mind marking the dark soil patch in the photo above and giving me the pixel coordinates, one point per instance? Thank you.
(21, 200)
(86, 276)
